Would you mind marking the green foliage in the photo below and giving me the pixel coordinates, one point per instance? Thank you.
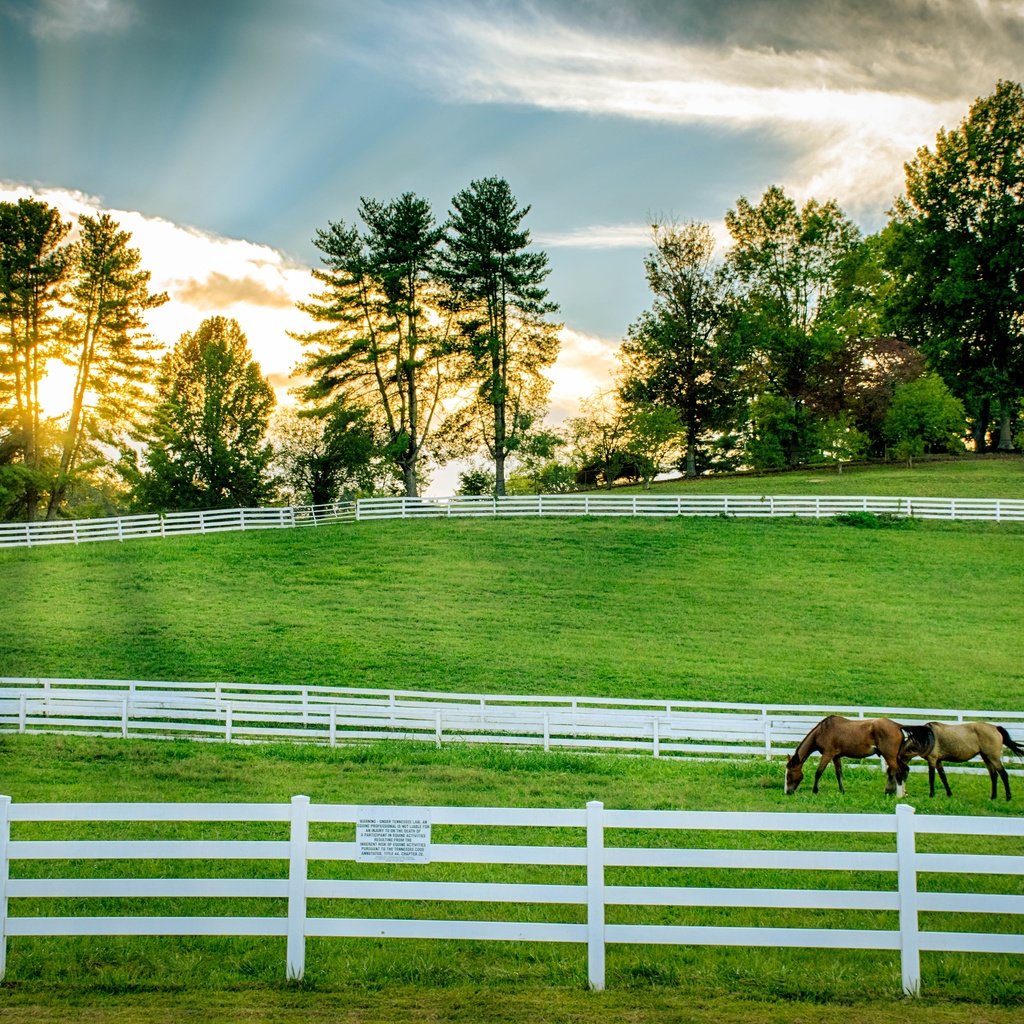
(476, 482)
(206, 445)
(956, 247)
(324, 455)
(106, 341)
(925, 416)
(497, 289)
(381, 350)
(33, 276)
(788, 263)
(875, 520)
(676, 357)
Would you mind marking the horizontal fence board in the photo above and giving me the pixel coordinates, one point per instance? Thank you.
(503, 931)
(39, 926)
(147, 849)
(796, 860)
(807, 899)
(708, 935)
(51, 888)
(472, 892)
(970, 942)
(589, 856)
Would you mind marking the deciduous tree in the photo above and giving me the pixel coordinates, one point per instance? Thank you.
(788, 262)
(676, 355)
(956, 244)
(206, 439)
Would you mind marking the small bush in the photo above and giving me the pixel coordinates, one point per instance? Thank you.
(875, 521)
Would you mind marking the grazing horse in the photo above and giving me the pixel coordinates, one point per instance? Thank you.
(837, 737)
(937, 742)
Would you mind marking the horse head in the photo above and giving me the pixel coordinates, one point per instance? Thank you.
(794, 775)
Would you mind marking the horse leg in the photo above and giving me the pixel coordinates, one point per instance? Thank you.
(942, 776)
(931, 779)
(837, 763)
(996, 771)
(893, 780)
(823, 763)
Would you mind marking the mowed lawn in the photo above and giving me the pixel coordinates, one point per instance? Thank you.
(790, 611)
(713, 609)
(108, 980)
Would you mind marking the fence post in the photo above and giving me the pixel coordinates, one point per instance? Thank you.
(22, 712)
(297, 872)
(124, 718)
(5, 873)
(655, 738)
(595, 895)
(910, 949)
(547, 731)
(767, 734)
(227, 722)
(437, 730)
(334, 726)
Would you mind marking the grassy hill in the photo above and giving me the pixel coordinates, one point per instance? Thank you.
(712, 609)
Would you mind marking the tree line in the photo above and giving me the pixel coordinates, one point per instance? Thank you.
(806, 341)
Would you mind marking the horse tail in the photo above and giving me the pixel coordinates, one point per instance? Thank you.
(1009, 743)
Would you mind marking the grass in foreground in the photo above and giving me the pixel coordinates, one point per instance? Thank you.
(363, 980)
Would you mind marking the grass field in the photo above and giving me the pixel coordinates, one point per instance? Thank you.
(776, 611)
(792, 611)
(370, 981)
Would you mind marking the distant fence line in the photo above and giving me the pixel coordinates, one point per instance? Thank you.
(120, 528)
(569, 906)
(331, 716)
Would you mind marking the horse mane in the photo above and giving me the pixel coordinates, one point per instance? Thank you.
(919, 737)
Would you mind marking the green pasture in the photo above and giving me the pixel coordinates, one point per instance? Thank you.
(777, 611)
(782, 611)
(109, 974)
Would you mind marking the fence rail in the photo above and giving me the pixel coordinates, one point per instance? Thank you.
(333, 715)
(894, 857)
(77, 531)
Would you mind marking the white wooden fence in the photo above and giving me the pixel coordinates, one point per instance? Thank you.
(332, 715)
(77, 531)
(891, 914)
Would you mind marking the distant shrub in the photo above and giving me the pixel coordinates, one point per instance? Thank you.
(875, 520)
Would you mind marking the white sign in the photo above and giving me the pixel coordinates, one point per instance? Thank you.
(393, 838)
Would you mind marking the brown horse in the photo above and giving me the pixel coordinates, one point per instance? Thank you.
(937, 742)
(837, 737)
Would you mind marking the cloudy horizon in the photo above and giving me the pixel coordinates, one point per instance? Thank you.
(223, 136)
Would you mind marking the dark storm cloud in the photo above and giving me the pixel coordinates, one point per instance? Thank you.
(936, 48)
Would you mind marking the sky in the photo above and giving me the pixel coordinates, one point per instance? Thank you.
(224, 133)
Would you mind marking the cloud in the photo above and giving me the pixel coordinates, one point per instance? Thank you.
(67, 19)
(219, 291)
(853, 89)
(586, 363)
(599, 236)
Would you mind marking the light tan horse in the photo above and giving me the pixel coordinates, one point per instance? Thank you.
(837, 738)
(938, 741)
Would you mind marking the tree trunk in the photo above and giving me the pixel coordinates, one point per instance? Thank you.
(1005, 434)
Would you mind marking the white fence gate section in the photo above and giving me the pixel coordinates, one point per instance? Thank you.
(78, 531)
(892, 913)
(330, 715)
